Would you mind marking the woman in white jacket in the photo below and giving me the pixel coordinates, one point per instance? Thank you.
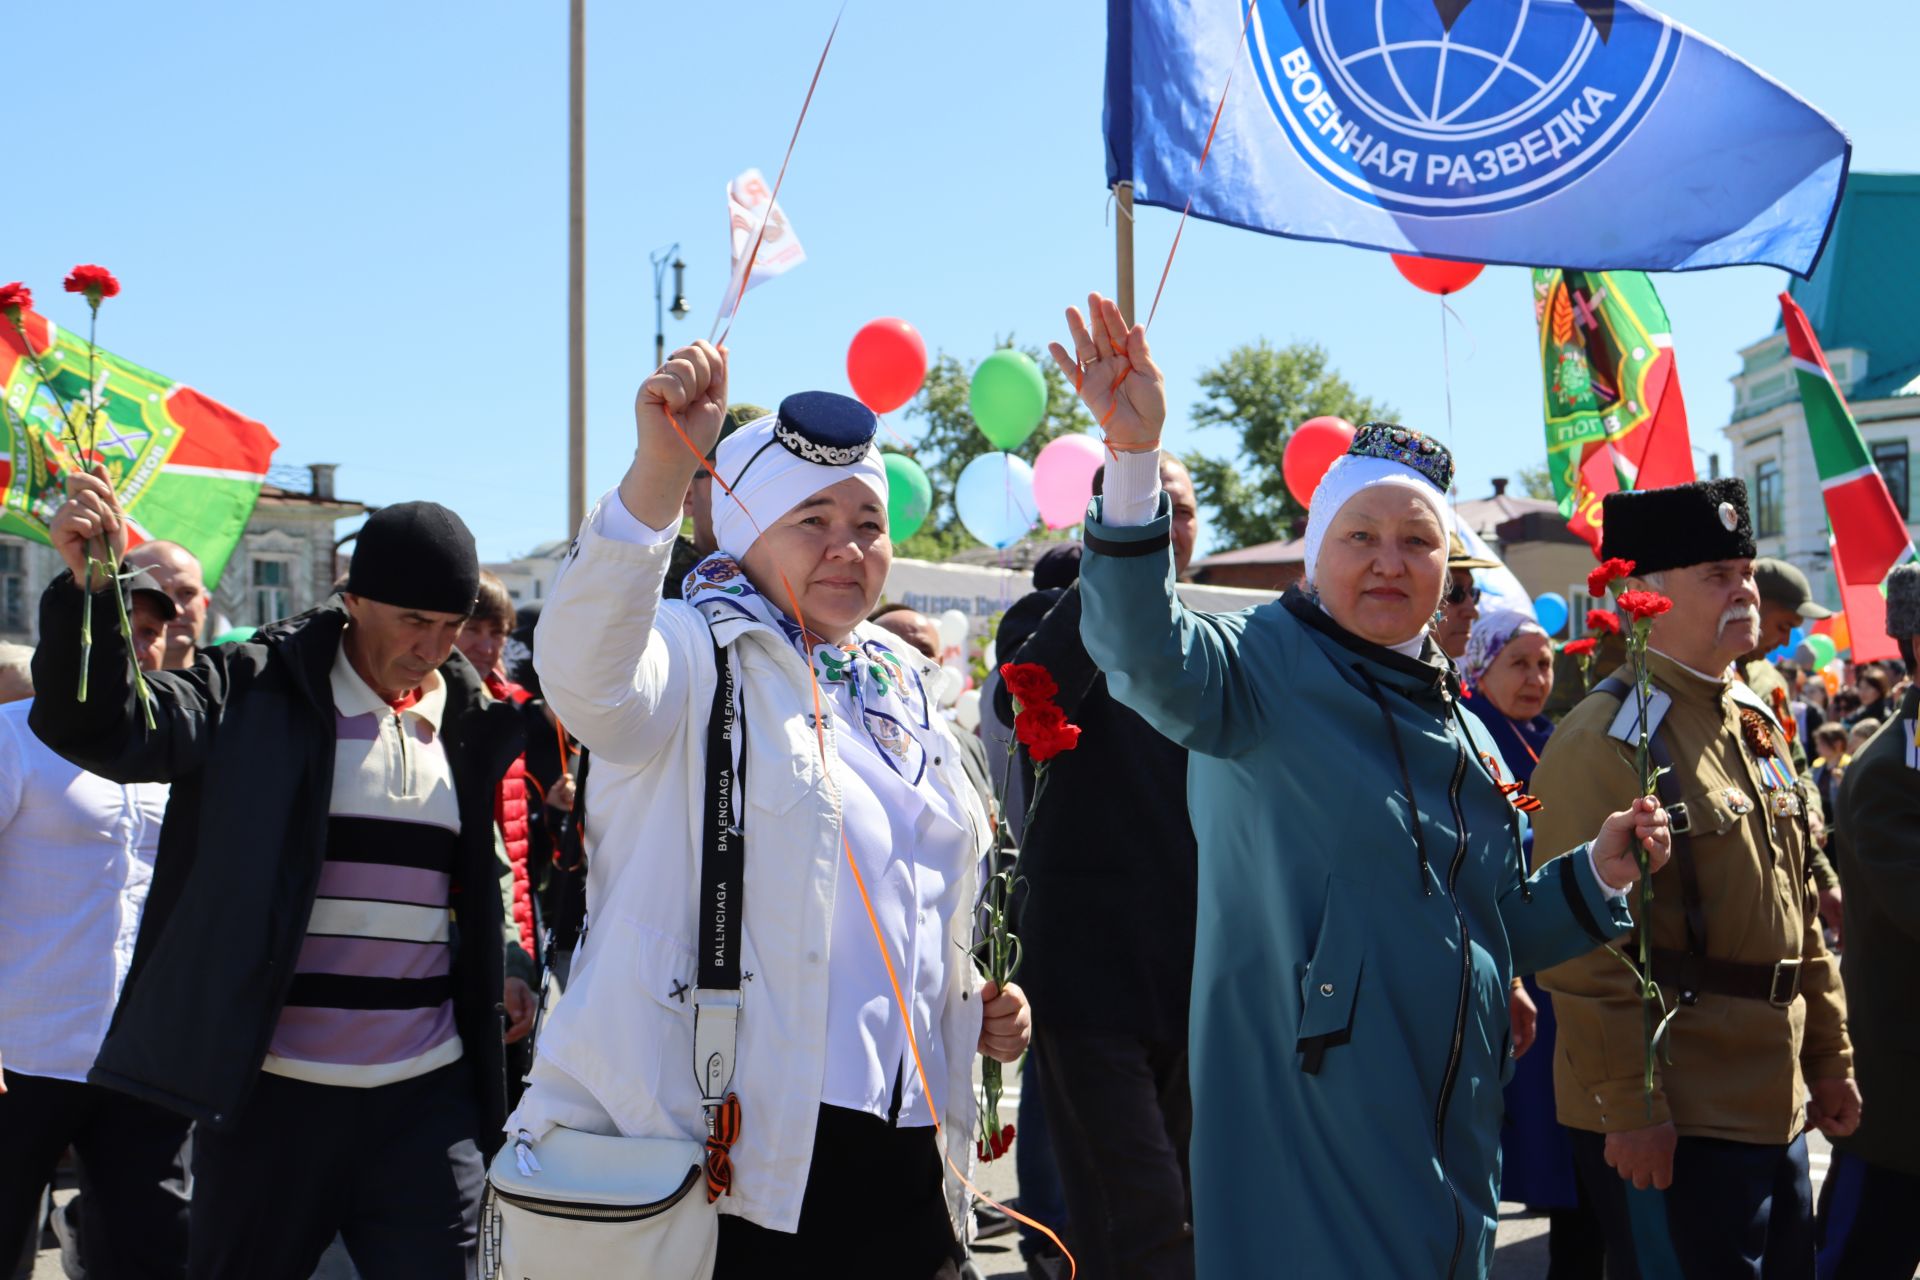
(836, 1135)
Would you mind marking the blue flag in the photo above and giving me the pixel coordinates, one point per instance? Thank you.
(1583, 134)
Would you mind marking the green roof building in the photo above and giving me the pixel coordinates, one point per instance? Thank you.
(1864, 303)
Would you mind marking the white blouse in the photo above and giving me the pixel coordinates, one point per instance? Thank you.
(913, 849)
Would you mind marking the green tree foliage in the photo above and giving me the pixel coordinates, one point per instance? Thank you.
(1262, 392)
(1536, 482)
(950, 440)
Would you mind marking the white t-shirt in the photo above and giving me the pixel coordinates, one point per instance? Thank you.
(76, 860)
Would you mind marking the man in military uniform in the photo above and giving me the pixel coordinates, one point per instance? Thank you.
(1786, 602)
(1873, 1189)
(1736, 939)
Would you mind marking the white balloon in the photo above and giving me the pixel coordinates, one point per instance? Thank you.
(953, 628)
(952, 681)
(967, 711)
(987, 656)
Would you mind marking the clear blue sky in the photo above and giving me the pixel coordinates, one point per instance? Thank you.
(349, 220)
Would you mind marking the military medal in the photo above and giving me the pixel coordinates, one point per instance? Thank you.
(1782, 796)
(1737, 802)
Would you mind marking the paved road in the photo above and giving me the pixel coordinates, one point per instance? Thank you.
(1521, 1250)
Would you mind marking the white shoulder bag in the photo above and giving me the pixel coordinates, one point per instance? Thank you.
(588, 1206)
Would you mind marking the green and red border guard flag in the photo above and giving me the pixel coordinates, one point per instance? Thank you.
(187, 469)
(1869, 535)
(1615, 418)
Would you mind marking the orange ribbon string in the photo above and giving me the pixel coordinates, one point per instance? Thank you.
(772, 199)
(886, 958)
(1206, 149)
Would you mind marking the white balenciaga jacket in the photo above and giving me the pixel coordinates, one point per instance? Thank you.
(632, 677)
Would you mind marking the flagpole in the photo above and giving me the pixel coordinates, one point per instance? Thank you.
(1123, 249)
(576, 267)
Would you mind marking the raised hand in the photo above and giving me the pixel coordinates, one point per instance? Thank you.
(1116, 376)
(692, 386)
(678, 414)
(90, 511)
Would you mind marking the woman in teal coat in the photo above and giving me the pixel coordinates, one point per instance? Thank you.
(1363, 899)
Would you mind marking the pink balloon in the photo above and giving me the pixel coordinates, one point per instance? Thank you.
(1063, 479)
(1315, 445)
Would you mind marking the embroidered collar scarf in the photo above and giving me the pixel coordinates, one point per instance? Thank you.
(884, 696)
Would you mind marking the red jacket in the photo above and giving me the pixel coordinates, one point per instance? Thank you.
(511, 813)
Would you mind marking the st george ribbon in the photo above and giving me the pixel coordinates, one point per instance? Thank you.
(1586, 134)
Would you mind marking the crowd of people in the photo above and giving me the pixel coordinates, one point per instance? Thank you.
(643, 937)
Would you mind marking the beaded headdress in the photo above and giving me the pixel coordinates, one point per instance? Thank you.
(1408, 448)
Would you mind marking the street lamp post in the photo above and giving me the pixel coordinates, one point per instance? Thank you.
(661, 262)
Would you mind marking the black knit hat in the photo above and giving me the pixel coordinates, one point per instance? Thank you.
(1669, 528)
(417, 555)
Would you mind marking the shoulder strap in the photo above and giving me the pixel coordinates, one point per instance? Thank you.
(1692, 906)
(723, 856)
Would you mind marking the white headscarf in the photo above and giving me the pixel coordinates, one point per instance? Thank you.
(770, 480)
(1352, 474)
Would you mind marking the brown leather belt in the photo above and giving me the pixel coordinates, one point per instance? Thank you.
(1778, 984)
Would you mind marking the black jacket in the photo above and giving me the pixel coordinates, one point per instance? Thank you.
(1879, 861)
(246, 738)
(1106, 926)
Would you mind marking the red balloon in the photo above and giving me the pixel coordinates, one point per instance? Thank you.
(886, 363)
(1315, 445)
(1436, 275)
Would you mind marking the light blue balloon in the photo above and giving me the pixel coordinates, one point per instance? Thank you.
(1550, 610)
(994, 499)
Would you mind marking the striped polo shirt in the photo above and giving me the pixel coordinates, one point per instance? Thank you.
(371, 1001)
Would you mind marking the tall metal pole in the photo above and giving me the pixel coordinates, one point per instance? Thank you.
(576, 266)
(1123, 249)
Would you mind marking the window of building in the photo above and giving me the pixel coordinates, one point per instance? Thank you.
(13, 587)
(271, 581)
(1891, 457)
(1766, 499)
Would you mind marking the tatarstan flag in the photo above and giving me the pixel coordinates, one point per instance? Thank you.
(187, 469)
(1867, 528)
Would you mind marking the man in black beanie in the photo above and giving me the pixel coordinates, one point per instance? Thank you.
(318, 980)
(1757, 1051)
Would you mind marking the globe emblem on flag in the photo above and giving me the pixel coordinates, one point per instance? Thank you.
(1469, 106)
(1492, 65)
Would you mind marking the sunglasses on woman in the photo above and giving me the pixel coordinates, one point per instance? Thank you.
(1457, 594)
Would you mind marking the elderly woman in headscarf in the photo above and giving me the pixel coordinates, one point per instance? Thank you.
(1363, 897)
(1508, 673)
(842, 766)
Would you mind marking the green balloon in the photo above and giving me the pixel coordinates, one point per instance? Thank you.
(1823, 650)
(909, 496)
(1008, 398)
(235, 635)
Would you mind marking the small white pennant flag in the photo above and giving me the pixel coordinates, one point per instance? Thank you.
(749, 203)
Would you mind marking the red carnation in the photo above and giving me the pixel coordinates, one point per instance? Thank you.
(1642, 605)
(95, 282)
(1603, 620)
(1031, 684)
(992, 1146)
(15, 298)
(1603, 576)
(1043, 729)
(1580, 648)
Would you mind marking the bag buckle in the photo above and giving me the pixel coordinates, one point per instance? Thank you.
(1677, 820)
(716, 1028)
(1785, 985)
